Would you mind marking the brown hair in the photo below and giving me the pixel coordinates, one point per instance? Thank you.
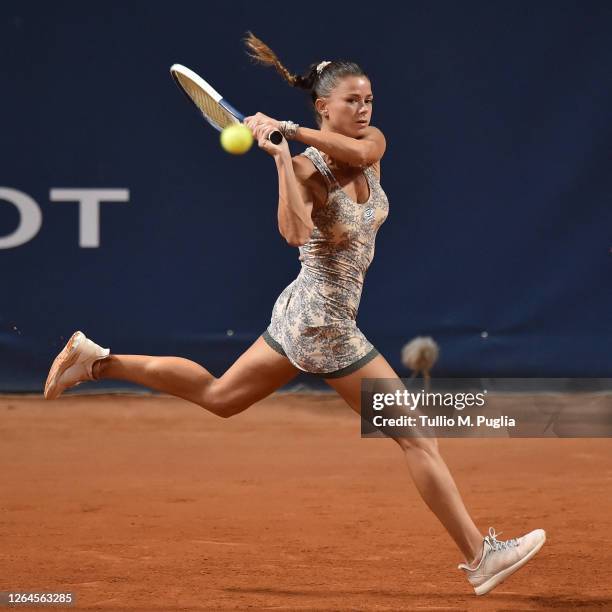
(320, 84)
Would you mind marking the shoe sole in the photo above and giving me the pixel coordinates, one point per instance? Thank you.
(492, 582)
(62, 362)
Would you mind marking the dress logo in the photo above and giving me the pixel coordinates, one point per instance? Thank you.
(368, 213)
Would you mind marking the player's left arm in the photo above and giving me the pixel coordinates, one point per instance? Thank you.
(359, 152)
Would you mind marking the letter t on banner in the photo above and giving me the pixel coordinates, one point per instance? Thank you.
(89, 217)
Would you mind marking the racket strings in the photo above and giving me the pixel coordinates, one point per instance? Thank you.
(210, 108)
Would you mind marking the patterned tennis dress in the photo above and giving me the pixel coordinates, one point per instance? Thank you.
(313, 319)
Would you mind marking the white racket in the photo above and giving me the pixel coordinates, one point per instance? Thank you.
(215, 109)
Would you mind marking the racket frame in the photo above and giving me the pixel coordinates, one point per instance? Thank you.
(233, 113)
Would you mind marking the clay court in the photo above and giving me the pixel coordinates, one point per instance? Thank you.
(150, 503)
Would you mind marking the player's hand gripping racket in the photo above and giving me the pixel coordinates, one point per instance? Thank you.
(217, 111)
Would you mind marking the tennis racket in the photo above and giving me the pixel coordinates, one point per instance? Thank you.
(217, 111)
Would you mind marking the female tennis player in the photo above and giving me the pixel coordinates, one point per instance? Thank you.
(330, 205)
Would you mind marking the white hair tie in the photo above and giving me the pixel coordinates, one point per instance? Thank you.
(321, 66)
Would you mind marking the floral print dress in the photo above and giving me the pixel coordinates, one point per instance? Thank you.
(313, 319)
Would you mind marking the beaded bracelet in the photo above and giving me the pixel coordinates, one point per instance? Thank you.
(288, 129)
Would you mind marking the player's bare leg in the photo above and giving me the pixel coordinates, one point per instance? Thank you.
(259, 371)
(427, 468)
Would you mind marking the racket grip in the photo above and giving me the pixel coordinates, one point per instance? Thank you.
(275, 137)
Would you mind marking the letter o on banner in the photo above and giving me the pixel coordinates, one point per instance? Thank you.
(29, 223)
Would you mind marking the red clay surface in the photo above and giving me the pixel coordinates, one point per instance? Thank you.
(150, 503)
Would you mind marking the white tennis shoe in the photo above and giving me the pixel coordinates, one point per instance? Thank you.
(73, 365)
(501, 559)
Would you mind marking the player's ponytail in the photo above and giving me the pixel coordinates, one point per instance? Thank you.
(262, 54)
(320, 79)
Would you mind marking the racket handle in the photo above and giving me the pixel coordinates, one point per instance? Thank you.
(275, 137)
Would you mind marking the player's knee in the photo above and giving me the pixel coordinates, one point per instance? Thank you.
(219, 402)
(418, 444)
(228, 409)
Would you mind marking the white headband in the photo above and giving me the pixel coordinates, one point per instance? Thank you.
(321, 66)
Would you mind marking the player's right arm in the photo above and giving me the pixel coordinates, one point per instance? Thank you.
(295, 198)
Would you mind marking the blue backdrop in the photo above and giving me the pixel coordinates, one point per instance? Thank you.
(497, 118)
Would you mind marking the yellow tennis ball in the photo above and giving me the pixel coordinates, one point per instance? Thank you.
(236, 138)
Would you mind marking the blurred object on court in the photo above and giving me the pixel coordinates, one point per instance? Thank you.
(420, 356)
